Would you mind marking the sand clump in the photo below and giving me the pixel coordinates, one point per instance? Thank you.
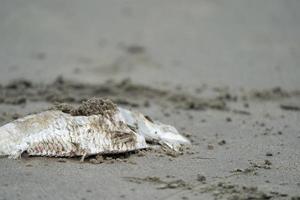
(93, 106)
(223, 190)
(220, 190)
(162, 184)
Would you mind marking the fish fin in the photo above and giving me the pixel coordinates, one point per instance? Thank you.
(83, 157)
(16, 153)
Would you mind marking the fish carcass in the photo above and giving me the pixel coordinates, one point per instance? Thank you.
(113, 130)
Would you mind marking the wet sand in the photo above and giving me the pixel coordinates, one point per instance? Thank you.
(225, 74)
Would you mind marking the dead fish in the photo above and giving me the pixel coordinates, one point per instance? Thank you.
(55, 133)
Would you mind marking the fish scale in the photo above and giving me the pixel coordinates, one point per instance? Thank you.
(51, 146)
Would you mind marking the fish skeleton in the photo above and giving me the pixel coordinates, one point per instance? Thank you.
(55, 133)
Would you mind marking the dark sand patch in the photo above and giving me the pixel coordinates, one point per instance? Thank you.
(224, 190)
(292, 106)
(221, 190)
(162, 184)
(127, 93)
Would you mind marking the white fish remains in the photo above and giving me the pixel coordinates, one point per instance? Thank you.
(84, 132)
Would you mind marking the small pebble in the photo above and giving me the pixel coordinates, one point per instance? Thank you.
(228, 119)
(269, 154)
(222, 142)
(267, 162)
(201, 178)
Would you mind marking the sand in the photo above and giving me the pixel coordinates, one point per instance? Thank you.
(226, 74)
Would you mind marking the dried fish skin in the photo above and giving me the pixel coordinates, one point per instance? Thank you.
(58, 134)
(54, 133)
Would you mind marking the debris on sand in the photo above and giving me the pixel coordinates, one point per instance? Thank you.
(201, 178)
(266, 164)
(221, 190)
(222, 142)
(290, 106)
(124, 92)
(241, 112)
(162, 184)
(254, 166)
(127, 93)
(274, 93)
(135, 49)
(230, 191)
(114, 158)
(269, 154)
(97, 126)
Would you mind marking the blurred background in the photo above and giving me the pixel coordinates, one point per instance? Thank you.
(234, 43)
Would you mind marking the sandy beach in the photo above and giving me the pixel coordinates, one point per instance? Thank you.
(225, 74)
